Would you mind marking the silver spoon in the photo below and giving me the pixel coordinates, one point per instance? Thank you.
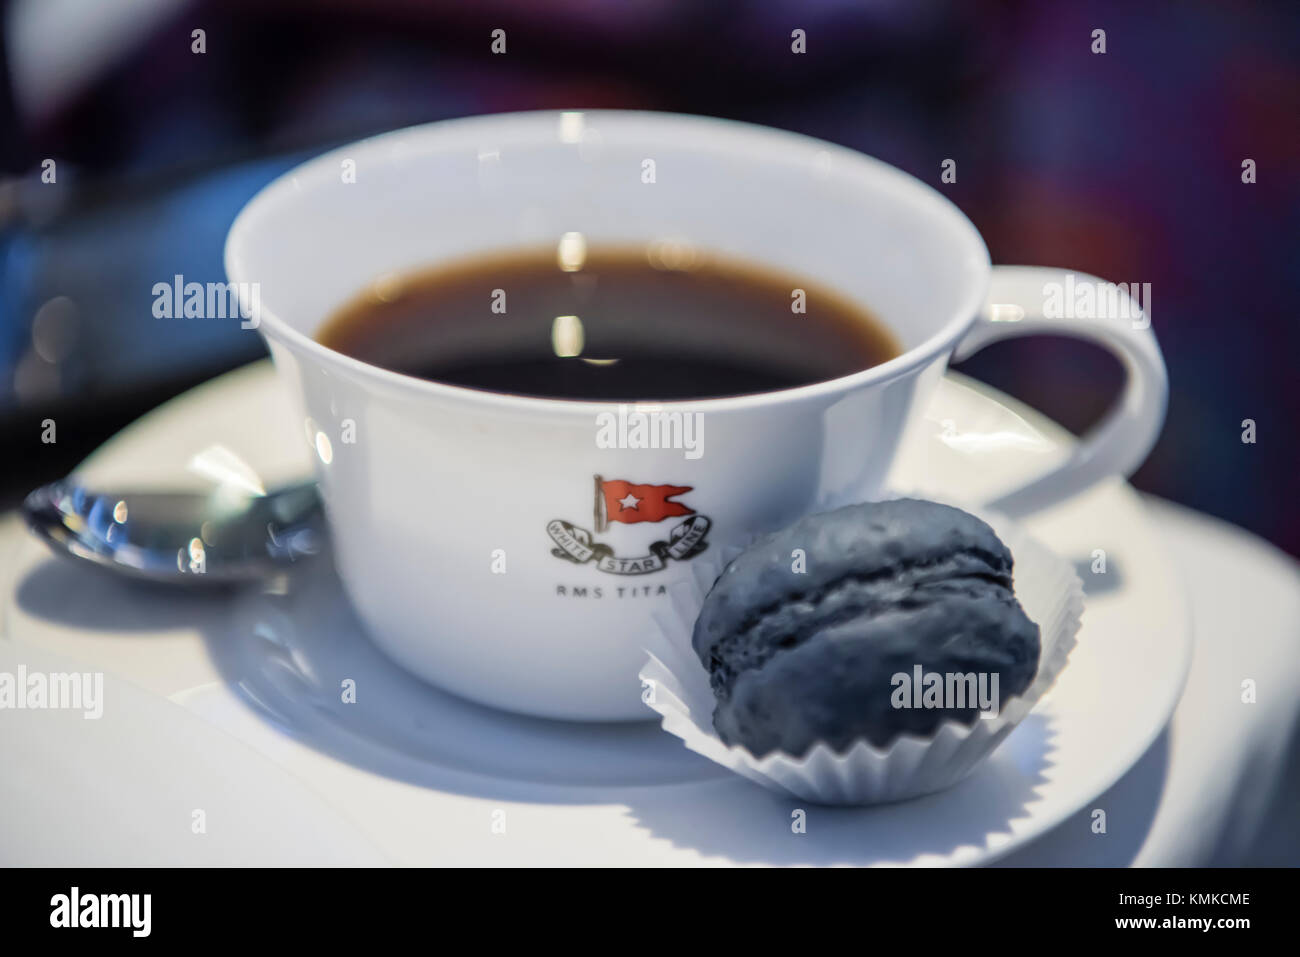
(216, 538)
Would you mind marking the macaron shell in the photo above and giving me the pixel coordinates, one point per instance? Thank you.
(791, 573)
(838, 686)
(869, 593)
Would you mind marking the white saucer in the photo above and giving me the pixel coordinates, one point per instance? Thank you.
(431, 779)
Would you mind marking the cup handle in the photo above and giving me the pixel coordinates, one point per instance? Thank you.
(1016, 305)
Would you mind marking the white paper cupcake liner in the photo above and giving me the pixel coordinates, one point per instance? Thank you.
(1050, 593)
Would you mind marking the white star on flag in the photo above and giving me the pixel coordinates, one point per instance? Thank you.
(629, 501)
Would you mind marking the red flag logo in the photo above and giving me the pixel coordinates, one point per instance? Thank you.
(619, 501)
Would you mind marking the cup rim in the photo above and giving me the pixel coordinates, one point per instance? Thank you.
(770, 140)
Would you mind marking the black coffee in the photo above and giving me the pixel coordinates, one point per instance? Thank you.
(663, 322)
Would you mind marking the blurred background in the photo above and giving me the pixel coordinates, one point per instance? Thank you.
(1126, 164)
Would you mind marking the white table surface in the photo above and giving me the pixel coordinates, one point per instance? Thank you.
(1221, 786)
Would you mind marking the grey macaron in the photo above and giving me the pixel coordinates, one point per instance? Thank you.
(804, 633)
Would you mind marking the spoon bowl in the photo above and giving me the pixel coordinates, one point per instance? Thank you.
(194, 539)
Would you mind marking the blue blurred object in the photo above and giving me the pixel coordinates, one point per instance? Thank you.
(76, 297)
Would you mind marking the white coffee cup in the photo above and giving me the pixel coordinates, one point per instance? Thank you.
(470, 528)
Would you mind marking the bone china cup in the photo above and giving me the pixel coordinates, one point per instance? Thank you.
(482, 537)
